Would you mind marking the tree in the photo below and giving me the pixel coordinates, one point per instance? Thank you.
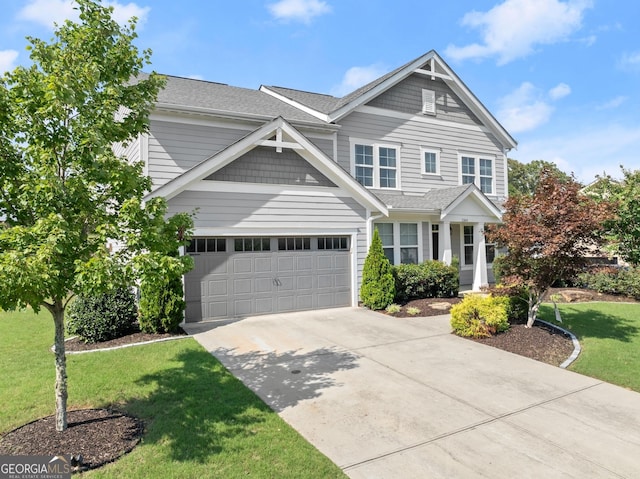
(624, 228)
(547, 236)
(64, 194)
(524, 177)
(378, 286)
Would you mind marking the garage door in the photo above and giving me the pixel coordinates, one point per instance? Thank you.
(236, 277)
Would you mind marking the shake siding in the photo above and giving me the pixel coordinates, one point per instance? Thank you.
(293, 212)
(176, 147)
(406, 97)
(412, 135)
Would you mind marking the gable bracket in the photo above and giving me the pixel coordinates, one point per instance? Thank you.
(432, 74)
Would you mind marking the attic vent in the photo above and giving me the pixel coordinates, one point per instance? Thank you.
(428, 102)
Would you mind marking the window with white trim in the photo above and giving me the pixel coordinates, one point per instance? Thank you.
(467, 242)
(430, 161)
(400, 242)
(428, 102)
(479, 171)
(376, 165)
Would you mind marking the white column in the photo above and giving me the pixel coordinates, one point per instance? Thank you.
(444, 253)
(479, 258)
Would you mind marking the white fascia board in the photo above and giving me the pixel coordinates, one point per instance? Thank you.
(482, 199)
(295, 104)
(385, 85)
(273, 230)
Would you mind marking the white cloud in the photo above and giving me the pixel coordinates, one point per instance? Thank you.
(586, 153)
(298, 10)
(355, 77)
(630, 61)
(524, 109)
(559, 91)
(613, 103)
(7, 60)
(514, 28)
(48, 12)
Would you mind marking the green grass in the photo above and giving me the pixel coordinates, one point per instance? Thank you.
(200, 420)
(609, 334)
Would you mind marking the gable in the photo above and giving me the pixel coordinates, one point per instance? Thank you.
(407, 97)
(266, 166)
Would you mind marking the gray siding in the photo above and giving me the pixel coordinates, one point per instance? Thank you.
(406, 97)
(232, 211)
(265, 165)
(130, 151)
(412, 135)
(326, 146)
(177, 147)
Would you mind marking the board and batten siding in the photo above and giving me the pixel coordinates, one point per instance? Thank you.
(412, 135)
(231, 213)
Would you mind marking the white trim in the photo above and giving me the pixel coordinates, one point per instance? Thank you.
(463, 263)
(432, 74)
(437, 151)
(372, 110)
(480, 197)
(428, 102)
(376, 145)
(476, 166)
(266, 188)
(298, 105)
(143, 144)
(272, 231)
(397, 246)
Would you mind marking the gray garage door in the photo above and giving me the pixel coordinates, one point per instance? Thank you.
(236, 277)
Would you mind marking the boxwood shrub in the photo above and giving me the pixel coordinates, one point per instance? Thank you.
(431, 279)
(480, 316)
(103, 317)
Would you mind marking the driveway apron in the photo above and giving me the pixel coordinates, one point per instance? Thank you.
(385, 397)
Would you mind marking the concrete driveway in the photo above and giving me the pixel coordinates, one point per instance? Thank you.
(404, 398)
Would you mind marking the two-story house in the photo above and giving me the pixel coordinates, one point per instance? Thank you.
(288, 185)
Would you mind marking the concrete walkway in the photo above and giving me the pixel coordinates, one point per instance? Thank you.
(403, 398)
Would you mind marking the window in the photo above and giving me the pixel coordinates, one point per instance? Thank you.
(479, 171)
(430, 162)
(294, 244)
(408, 243)
(385, 230)
(252, 244)
(400, 242)
(207, 245)
(376, 166)
(364, 164)
(428, 102)
(468, 244)
(333, 242)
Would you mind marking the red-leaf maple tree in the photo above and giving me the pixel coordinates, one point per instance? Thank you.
(548, 236)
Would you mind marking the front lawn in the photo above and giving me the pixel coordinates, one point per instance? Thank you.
(200, 420)
(609, 334)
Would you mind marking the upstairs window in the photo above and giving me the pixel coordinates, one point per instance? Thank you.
(479, 171)
(376, 166)
(430, 161)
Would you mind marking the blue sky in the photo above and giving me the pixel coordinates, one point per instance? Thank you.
(562, 76)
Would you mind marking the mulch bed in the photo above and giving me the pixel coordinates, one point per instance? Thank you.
(76, 344)
(97, 436)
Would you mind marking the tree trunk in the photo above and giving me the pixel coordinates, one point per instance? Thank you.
(535, 300)
(57, 311)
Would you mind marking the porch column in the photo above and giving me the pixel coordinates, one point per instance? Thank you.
(480, 258)
(444, 229)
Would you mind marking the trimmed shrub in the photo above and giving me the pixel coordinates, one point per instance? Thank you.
(378, 286)
(161, 305)
(608, 280)
(103, 317)
(477, 316)
(431, 279)
(518, 301)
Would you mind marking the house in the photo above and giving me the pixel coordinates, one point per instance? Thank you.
(289, 185)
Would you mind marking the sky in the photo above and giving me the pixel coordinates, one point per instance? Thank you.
(563, 77)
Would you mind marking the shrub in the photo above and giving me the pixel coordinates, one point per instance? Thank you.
(518, 301)
(412, 310)
(477, 316)
(393, 308)
(378, 289)
(161, 305)
(103, 317)
(610, 280)
(431, 279)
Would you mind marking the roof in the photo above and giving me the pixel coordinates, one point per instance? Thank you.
(433, 200)
(189, 93)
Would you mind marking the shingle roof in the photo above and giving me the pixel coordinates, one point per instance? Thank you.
(433, 200)
(187, 92)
